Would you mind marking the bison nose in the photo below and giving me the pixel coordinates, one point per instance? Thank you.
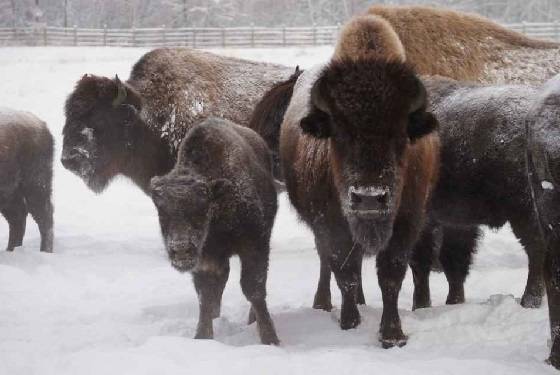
(369, 199)
(72, 159)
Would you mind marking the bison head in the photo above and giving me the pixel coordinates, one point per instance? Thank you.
(100, 116)
(371, 112)
(184, 208)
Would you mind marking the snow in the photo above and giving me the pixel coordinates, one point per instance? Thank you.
(108, 301)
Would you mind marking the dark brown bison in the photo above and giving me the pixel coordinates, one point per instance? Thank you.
(360, 157)
(482, 182)
(133, 128)
(219, 200)
(26, 154)
(469, 47)
(543, 167)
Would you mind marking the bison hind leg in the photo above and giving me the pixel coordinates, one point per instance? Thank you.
(41, 208)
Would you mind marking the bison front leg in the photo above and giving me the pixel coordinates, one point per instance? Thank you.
(209, 284)
(254, 269)
(16, 214)
(392, 263)
(534, 247)
(322, 300)
(345, 263)
(552, 281)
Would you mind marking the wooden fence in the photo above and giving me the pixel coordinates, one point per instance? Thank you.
(240, 37)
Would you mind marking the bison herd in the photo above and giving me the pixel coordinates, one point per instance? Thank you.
(399, 147)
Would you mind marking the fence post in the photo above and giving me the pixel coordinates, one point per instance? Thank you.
(75, 35)
(163, 36)
(284, 36)
(133, 37)
(523, 27)
(45, 42)
(193, 38)
(105, 35)
(314, 34)
(223, 37)
(556, 36)
(252, 35)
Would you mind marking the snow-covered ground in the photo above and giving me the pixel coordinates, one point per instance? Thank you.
(108, 302)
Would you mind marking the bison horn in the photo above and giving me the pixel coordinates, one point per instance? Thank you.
(420, 100)
(121, 92)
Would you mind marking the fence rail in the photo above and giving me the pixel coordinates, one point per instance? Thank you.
(241, 37)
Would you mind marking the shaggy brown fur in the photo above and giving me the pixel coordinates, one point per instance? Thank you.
(360, 159)
(134, 128)
(373, 32)
(218, 201)
(26, 153)
(466, 46)
(181, 87)
(269, 113)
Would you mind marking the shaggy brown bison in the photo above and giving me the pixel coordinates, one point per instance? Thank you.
(469, 47)
(219, 200)
(26, 154)
(360, 157)
(543, 165)
(133, 128)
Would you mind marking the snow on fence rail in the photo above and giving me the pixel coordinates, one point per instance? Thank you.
(241, 37)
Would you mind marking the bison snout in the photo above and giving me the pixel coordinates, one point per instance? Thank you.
(73, 159)
(370, 199)
(183, 255)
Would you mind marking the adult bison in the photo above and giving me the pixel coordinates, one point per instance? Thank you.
(26, 154)
(133, 128)
(543, 166)
(360, 157)
(483, 181)
(469, 47)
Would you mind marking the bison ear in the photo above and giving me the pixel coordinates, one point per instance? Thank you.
(317, 123)
(421, 123)
(126, 95)
(121, 94)
(219, 187)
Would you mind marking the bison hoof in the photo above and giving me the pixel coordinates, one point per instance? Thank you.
(421, 305)
(252, 317)
(350, 322)
(10, 249)
(360, 299)
(455, 300)
(554, 360)
(204, 333)
(270, 339)
(529, 301)
(399, 340)
(322, 303)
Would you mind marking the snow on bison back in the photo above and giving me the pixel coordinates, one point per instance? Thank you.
(26, 154)
(134, 128)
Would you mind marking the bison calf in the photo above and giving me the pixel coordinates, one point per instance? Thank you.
(26, 153)
(219, 200)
